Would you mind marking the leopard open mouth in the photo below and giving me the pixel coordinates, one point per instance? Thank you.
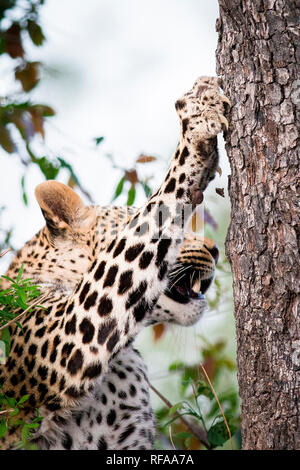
(183, 287)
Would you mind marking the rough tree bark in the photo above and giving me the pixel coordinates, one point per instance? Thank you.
(258, 59)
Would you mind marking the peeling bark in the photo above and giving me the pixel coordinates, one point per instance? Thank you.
(258, 59)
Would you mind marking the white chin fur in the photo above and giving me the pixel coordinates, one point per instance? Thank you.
(194, 310)
(182, 314)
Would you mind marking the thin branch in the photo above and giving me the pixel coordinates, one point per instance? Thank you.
(171, 438)
(6, 411)
(219, 404)
(199, 433)
(4, 252)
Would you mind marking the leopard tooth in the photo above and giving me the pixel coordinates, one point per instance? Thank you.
(197, 287)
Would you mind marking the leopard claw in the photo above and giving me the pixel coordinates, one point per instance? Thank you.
(225, 100)
(224, 121)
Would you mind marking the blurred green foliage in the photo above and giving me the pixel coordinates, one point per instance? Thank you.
(9, 418)
(14, 301)
(130, 179)
(22, 121)
(5, 234)
(199, 402)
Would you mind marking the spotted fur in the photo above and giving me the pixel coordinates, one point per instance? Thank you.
(108, 272)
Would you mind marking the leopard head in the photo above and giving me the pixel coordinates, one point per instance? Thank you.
(75, 235)
(183, 301)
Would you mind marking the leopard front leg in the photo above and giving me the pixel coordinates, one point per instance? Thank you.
(115, 298)
(201, 112)
(132, 274)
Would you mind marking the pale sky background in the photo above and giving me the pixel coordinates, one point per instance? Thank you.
(115, 69)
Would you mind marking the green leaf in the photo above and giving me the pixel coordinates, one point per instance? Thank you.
(175, 408)
(204, 389)
(49, 170)
(23, 399)
(20, 273)
(176, 365)
(218, 433)
(5, 337)
(8, 278)
(33, 425)
(35, 32)
(119, 188)
(11, 401)
(43, 110)
(131, 196)
(146, 188)
(6, 141)
(2, 46)
(184, 435)
(24, 435)
(24, 195)
(21, 301)
(3, 427)
(98, 140)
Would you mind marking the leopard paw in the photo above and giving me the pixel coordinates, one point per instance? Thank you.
(212, 108)
(202, 109)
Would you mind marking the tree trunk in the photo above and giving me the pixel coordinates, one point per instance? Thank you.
(258, 59)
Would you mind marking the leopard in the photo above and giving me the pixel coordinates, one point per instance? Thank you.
(105, 273)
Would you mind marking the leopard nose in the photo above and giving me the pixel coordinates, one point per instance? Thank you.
(214, 251)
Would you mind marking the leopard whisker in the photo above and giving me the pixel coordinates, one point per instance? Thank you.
(192, 277)
(178, 271)
(177, 280)
(181, 270)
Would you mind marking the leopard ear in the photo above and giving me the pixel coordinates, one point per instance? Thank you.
(61, 206)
